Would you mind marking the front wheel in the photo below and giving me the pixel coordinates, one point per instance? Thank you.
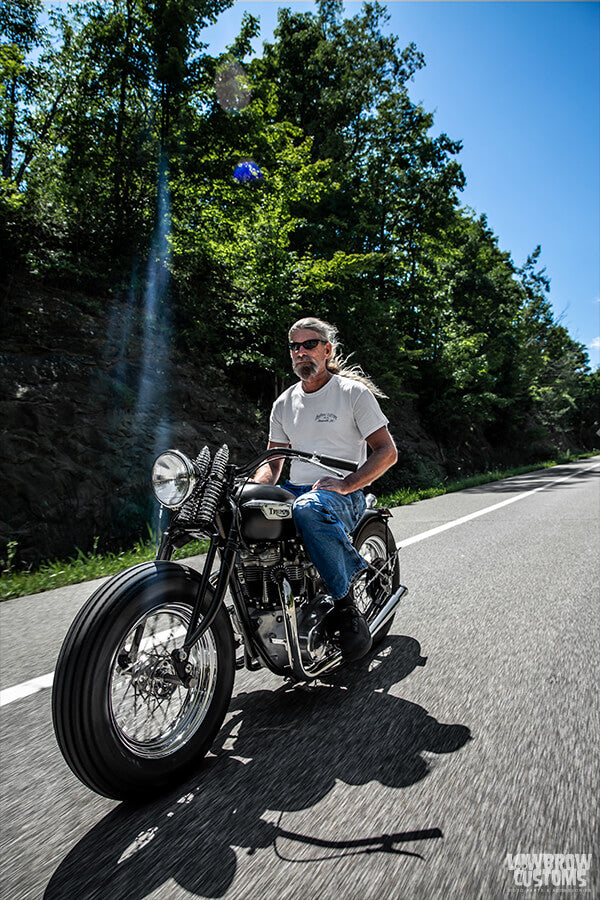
(371, 590)
(125, 722)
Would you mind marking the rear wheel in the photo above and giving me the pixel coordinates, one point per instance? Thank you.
(373, 589)
(125, 722)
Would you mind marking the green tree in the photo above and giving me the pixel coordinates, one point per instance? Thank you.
(388, 186)
(238, 236)
(172, 31)
(551, 363)
(19, 78)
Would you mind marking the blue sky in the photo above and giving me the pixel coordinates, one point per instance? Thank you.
(519, 85)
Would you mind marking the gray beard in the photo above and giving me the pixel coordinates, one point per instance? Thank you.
(305, 369)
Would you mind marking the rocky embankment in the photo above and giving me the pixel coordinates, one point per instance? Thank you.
(90, 392)
(87, 399)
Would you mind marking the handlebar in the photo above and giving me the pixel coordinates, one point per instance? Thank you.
(329, 462)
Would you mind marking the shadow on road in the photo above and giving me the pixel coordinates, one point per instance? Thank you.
(548, 478)
(281, 751)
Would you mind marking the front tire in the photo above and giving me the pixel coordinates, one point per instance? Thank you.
(125, 723)
(375, 543)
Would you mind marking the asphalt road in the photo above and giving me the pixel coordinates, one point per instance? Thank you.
(469, 737)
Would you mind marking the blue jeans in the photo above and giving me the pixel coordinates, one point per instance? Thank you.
(324, 519)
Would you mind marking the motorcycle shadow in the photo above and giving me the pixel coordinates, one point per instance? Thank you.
(279, 751)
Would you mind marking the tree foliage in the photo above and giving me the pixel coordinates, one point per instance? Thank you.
(354, 213)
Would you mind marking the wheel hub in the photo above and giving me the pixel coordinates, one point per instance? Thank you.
(154, 678)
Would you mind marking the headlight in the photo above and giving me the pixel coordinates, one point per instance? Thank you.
(173, 478)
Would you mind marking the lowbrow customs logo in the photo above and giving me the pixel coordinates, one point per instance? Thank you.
(560, 871)
(325, 417)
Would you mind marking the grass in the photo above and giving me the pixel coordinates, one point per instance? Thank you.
(83, 567)
(408, 495)
(87, 566)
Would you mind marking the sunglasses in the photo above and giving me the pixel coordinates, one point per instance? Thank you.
(308, 345)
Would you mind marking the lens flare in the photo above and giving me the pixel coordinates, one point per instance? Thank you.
(231, 86)
(156, 328)
(247, 172)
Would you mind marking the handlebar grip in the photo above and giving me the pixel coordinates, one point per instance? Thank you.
(344, 464)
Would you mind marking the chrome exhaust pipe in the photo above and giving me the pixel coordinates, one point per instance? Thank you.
(388, 610)
(291, 628)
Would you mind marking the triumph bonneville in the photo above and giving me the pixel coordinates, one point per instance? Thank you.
(145, 674)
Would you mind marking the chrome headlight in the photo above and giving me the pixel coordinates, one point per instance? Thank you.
(173, 478)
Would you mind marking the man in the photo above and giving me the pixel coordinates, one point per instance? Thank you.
(333, 411)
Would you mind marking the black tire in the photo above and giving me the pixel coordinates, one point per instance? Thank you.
(375, 543)
(105, 695)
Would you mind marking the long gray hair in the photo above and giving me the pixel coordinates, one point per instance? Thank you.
(337, 364)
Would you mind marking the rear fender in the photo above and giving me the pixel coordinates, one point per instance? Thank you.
(380, 513)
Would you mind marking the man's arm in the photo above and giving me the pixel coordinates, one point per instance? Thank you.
(382, 458)
(270, 471)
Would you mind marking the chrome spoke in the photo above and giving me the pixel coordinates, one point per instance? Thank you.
(380, 567)
(152, 710)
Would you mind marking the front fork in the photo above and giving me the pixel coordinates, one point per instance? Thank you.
(219, 582)
(197, 626)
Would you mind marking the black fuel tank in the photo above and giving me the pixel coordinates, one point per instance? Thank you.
(266, 512)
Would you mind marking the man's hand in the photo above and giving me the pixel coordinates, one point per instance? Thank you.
(331, 484)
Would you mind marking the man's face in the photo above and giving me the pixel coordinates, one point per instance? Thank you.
(309, 362)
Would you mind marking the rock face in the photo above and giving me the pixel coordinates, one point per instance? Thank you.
(90, 392)
(80, 387)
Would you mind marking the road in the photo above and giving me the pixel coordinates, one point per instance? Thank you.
(469, 737)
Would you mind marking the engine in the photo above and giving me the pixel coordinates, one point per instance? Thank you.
(266, 571)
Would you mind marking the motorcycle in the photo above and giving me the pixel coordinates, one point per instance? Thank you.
(145, 674)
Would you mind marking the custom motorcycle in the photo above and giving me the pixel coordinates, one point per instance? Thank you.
(145, 674)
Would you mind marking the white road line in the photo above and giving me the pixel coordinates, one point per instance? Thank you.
(9, 695)
(482, 512)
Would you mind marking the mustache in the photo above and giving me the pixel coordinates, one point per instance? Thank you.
(304, 368)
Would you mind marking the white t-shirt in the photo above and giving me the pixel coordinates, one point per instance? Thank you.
(333, 421)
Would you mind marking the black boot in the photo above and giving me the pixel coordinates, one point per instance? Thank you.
(355, 637)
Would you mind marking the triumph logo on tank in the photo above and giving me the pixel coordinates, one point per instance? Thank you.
(550, 870)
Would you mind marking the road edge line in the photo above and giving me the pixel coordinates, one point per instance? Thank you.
(415, 539)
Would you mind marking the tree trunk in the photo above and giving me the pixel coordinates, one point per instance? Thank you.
(10, 132)
(118, 201)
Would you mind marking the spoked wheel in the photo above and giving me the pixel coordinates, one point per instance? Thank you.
(371, 591)
(126, 723)
(153, 712)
